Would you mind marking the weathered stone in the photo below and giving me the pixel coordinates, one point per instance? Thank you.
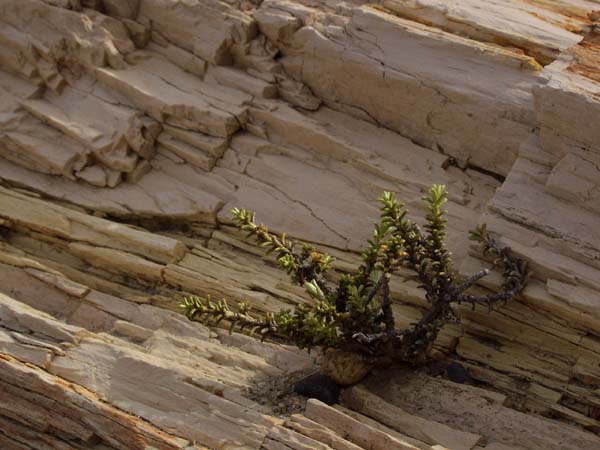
(354, 431)
(93, 175)
(19, 317)
(433, 433)
(515, 24)
(123, 112)
(164, 102)
(62, 283)
(244, 82)
(208, 30)
(187, 152)
(132, 331)
(27, 353)
(126, 9)
(276, 23)
(405, 91)
(80, 415)
(68, 224)
(320, 433)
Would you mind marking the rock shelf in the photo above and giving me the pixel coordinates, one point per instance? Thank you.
(129, 129)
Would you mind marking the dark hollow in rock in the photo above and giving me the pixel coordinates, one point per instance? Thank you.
(456, 372)
(319, 386)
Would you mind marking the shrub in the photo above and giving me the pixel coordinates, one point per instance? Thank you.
(356, 315)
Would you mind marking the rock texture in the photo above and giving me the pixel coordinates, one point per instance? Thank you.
(129, 129)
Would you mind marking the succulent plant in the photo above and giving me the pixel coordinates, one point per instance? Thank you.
(355, 315)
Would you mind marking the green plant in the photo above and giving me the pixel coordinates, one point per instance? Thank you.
(356, 315)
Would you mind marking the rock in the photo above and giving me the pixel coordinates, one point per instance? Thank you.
(132, 331)
(60, 282)
(356, 432)
(42, 155)
(181, 58)
(319, 432)
(187, 152)
(118, 261)
(276, 24)
(454, 403)
(92, 42)
(244, 82)
(19, 317)
(536, 33)
(140, 34)
(51, 408)
(93, 175)
(298, 94)
(142, 169)
(375, 38)
(432, 433)
(127, 9)
(23, 352)
(129, 130)
(176, 107)
(206, 30)
(280, 437)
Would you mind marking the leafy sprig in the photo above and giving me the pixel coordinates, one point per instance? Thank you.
(306, 266)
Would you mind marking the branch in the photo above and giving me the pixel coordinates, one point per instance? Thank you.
(309, 265)
(374, 289)
(470, 281)
(436, 235)
(489, 299)
(386, 307)
(195, 308)
(376, 338)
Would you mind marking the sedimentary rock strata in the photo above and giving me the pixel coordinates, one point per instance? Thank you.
(129, 129)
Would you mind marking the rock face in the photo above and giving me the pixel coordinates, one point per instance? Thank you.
(129, 129)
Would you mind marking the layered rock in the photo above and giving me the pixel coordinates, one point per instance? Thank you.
(129, 129)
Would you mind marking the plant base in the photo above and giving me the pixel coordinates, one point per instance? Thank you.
(344, 367)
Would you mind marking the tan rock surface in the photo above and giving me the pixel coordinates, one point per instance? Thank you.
(129, 129)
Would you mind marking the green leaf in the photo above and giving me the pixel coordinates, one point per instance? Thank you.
(314, 290)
